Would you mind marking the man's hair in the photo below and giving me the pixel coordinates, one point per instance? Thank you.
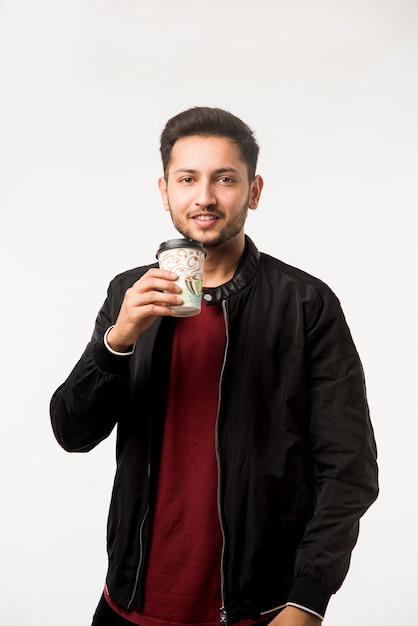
(209, 122)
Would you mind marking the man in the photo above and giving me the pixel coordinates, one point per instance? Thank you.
(245, 453)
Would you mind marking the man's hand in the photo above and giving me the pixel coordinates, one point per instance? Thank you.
(291, 616)
(151, 296)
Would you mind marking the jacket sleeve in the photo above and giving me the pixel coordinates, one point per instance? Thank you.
(344, 456)
(86, 407)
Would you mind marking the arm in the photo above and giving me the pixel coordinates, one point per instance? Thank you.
(86, 407)
(344, 456)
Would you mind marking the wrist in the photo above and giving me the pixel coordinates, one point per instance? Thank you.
(316, 618)
(115, 345)
(295, 616)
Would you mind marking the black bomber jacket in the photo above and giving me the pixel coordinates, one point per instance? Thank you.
(293, 410)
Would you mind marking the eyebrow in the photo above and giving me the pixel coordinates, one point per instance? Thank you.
(220, 170)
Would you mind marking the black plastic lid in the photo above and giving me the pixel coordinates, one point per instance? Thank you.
(180, 243)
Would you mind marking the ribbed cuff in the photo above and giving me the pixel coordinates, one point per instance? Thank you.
(310, 594)
(109, 362)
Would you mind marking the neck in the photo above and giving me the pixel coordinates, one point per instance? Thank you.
(221, 263)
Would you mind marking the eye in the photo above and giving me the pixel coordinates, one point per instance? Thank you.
(226, 180)
(186, 180)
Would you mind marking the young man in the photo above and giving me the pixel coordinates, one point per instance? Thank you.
(245, 453)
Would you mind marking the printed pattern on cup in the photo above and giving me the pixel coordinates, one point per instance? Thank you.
(185, 262)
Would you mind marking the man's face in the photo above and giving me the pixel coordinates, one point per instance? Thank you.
(207, 190)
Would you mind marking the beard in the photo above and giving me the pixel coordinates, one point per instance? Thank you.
(212, 237)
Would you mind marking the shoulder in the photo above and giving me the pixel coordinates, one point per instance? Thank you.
(289, 284)
(283, 271)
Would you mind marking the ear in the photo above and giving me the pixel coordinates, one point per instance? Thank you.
(162, 186)
(255, 192)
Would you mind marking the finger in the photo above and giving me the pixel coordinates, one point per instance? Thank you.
(156, 283)
(156, 272)
(144, 303)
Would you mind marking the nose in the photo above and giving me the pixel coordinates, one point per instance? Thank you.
(205, 196)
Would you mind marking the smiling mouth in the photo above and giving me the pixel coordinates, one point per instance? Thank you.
(205, 218)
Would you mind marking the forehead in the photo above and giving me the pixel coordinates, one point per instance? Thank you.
(205, 152)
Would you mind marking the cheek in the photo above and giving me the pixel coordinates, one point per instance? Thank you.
(180, 198)
(238, 200)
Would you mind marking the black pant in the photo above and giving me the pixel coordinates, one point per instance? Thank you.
(106, 616)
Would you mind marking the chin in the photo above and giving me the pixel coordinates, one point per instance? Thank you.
(206, 238)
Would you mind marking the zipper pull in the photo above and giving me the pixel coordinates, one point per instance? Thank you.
(223, 617)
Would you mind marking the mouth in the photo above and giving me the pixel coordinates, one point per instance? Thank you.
(205, 219)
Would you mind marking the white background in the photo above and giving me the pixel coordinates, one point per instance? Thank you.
(331, 89)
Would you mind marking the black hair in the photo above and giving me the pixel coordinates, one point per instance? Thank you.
(207, 121)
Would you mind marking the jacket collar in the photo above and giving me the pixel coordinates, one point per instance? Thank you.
(245, 273)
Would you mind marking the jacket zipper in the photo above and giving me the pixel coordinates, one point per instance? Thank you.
(223, 616)
(141, 558)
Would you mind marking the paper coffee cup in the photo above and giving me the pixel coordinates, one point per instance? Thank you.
(185, 257)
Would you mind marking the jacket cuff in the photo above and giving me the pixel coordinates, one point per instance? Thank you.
(310, 594)
(110, 362)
